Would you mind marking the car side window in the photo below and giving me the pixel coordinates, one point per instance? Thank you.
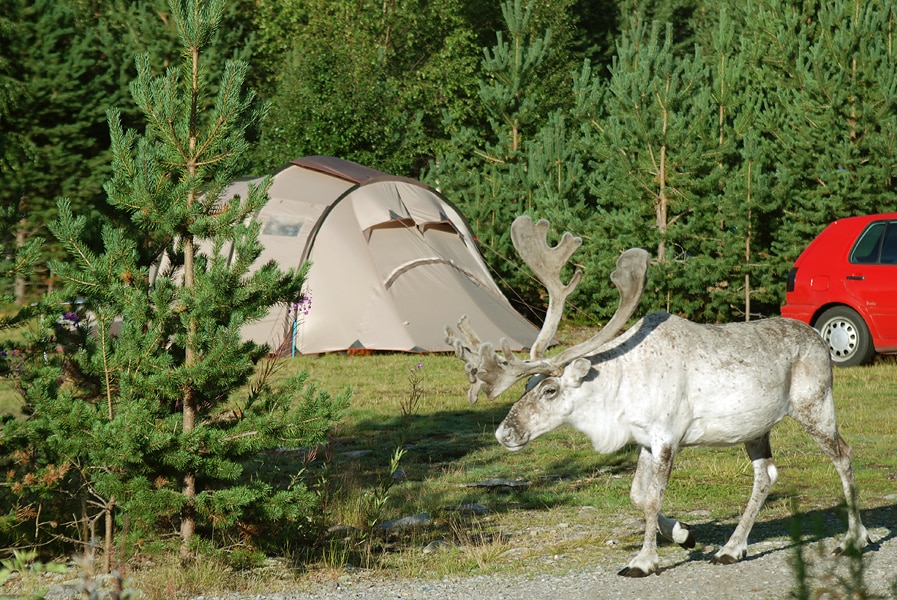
(868, 247)
(889, 247)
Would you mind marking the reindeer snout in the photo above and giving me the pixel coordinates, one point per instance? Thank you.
(509, 437)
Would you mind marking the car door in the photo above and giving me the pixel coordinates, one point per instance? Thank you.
(871, 278)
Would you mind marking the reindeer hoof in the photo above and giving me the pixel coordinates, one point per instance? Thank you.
(632, 572)
(849, 550)
(689, 542)
(727, 559)
(846, 546)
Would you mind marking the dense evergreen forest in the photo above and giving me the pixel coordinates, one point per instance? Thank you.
(720, 135)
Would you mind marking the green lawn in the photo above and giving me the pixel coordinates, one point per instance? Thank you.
(449, 445)
(576, 502)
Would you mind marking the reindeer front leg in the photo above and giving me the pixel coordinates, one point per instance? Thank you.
(765, 475)
(648, 487)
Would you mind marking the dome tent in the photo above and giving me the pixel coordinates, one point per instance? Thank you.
(392, 263)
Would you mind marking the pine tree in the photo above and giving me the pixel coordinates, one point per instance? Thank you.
(67, 64)
(751, 208)
(486, 168)
(835, 120)
(40, 158)
(336, 91)
(160, 383)
(692, 22)
(731, 241)
(653, 159)
(17, 260)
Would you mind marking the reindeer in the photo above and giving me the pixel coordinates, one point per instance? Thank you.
(664, 384)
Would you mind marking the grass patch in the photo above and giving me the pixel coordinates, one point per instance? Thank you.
(574, 503)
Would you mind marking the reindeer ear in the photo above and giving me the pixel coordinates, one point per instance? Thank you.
(576, 371)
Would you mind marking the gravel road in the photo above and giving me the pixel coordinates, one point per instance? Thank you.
(766, 573)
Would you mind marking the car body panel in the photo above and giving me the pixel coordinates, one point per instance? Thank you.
(847, 265)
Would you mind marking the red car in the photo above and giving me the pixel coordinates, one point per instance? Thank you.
(845, 285)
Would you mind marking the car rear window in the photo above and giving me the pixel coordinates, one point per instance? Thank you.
(877, 244)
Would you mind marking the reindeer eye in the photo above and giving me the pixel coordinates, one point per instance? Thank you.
(550, 390)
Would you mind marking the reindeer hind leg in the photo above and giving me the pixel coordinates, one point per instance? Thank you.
(856, 536)
(817, 418)
(827, 436)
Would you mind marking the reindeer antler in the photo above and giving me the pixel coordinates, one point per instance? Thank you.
(493, 373)
(531, 242)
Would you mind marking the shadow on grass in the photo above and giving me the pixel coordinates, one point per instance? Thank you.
(441, 439)
(436, 437)
(557, 472)
(448, 452)
(448, 437)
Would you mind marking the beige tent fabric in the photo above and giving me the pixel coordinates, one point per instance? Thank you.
(392, 263)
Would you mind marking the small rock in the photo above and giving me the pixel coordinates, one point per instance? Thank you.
(63, 592)
(341, 531)
(436, 546)
(406, 522)
(357, 453)
(471, 509)
(702, 513)
(500, 482)
(515, 553)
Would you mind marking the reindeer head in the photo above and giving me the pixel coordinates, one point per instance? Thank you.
(494, 373)
(544, 407)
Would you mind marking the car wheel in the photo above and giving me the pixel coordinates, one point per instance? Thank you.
(847, 336)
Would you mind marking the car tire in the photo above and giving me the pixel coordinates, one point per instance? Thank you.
(847, 336)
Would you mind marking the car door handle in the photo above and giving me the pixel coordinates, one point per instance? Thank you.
(856, 277)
